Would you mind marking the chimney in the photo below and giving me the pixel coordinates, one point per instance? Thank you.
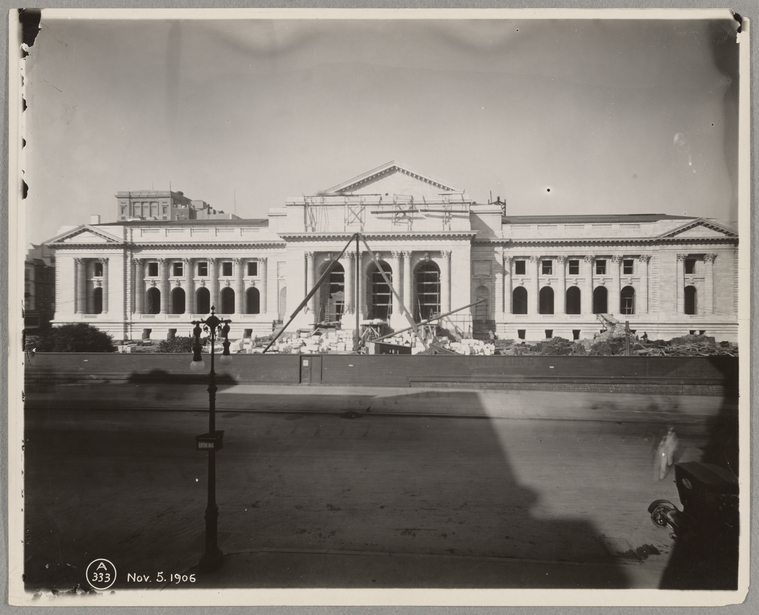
(94, 219)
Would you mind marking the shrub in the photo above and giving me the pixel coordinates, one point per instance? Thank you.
(176, 346)
(81, 337)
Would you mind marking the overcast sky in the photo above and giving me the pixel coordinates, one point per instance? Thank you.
(576, 117)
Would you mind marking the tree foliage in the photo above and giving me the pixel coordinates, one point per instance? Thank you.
(81, 337)
(177, 345)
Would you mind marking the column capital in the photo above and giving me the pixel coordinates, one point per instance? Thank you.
(263, 259)
(351, 255)
(588, 258)
(534, 259)
(396, 253)
(561, 258)
(309, 255)
(445, 253)
(507, 258)
(644, 258)
(407, 254)
(103, 259)
(709, 258)
(682, 257)
(79, 260)
(615, 259)
(138, 259)
(162, 261)
(187, 260)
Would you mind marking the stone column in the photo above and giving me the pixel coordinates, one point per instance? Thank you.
(709, 283)
(534, 301)
(561, 290)
(679, 284)
(213, 283)
(407, 287)
(362, 289)
(310, 284)
(395, 265)
(263, 274)
(80, 264)
(189, 282)
(641, 303)
(614, 295)
(239, 286)
(139, 285)
(350, 274)
(104, 261)
(508, 290)
(586, 298)
(445, 283)
(163, 272)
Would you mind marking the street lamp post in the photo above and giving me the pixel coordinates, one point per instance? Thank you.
(212, 558)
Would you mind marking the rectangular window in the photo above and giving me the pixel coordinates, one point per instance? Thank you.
(547, 267)
(226, 268)
(203, 268)
(98, 273)
(690, 265)
(153, 270)
(627, 266)
(519, 267)
(601, 267)
(177, 269)
(253, 268)
(520, 333)
(575, 334)
(574, 267)
(549, 334)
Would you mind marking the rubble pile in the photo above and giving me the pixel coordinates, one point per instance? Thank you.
(685, 346)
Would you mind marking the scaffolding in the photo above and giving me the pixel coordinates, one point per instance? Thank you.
(355, 212)
(404, 210)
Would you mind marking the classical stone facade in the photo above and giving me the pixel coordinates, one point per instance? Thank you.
(534, 276)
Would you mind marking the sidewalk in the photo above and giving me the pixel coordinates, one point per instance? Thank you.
(319, 569)
(378, 401)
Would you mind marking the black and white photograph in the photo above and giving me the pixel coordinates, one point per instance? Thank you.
(350, 307)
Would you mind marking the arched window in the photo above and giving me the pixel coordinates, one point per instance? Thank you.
(227, 300)
(153, 301)
(574, 300)
(177, 301)
(691, 305)
(252, 301)
(546, 300)
(332, 294)
(427, 291)
(379, 295)
(520, 300)
(600, 300)
(97, 301)
(482, 310)
(627, 300)
(203, 300)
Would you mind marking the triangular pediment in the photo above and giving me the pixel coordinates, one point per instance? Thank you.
(389, 180)
(84, 234)
(701, 229)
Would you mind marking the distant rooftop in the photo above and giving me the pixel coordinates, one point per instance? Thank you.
(592, 218)
(202, 222)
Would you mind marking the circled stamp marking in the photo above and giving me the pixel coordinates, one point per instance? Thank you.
(101, 574)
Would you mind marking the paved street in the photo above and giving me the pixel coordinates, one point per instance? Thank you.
(388, 487)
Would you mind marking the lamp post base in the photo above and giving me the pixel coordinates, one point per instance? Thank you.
(211, 561)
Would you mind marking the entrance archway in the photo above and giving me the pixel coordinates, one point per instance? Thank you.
(690, 300)
(203, 300)
(252, 301)
(600, 300)
(573, 300)
(546, 300)
(427, 291)
(227, 300)
(153, 302)
(379, 297)
(177, 301)
(332, 294)
(519, 297)
(627, 300)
